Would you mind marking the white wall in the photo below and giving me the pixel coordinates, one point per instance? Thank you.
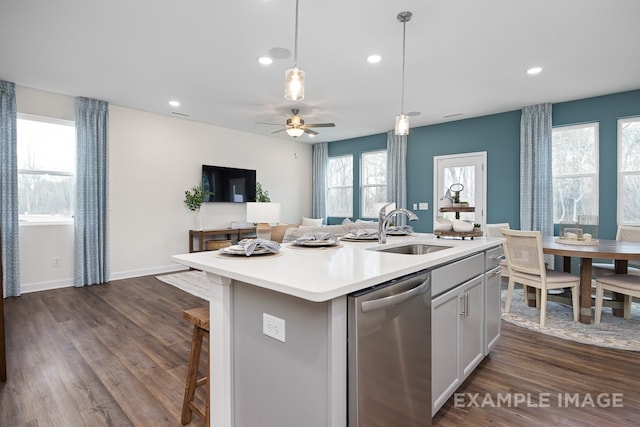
(153, 159)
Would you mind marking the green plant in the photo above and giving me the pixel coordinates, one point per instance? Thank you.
(193, 199)
(261, 194)
(477, 225)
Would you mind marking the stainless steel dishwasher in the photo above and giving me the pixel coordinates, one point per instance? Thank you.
(389, 353)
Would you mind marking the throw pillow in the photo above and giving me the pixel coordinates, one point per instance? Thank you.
(315, 222)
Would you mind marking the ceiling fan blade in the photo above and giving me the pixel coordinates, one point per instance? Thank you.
(319, 125)
(265, 123)
(310, 132)
(280, 130)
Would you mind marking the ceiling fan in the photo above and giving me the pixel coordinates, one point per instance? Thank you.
(295, 126)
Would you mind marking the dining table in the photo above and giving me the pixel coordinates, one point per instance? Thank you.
(620, 251)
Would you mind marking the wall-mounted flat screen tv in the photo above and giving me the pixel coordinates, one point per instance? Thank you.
(230, 185)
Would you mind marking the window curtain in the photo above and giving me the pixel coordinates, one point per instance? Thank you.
(9, 190)
(397, 172)
(91, 233)
(536, 191)
(319, 180)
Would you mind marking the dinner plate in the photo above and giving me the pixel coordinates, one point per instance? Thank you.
(317, 243)
(398, 233)
(353, 237)
(239, 250)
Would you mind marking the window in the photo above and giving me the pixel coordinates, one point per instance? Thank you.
(340, 186)
(46, 169)
(373, 182)
(575, 172)
(629, 171)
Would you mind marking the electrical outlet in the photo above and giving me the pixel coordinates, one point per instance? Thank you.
(273, 327)
(55, 262)
(423, 206)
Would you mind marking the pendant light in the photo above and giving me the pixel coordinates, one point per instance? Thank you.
(402, 120)
(294, 77)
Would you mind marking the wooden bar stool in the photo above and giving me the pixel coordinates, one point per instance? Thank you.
(199, 317)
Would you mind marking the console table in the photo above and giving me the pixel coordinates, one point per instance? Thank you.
(230, 233)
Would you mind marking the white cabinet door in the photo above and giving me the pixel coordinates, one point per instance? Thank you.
(472, 325)
(493, 309)
(456, 338)
(445, 372)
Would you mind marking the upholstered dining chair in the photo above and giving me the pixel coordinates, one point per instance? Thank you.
(525, 258)
(493, 230)
(625, 233)
(626, 284)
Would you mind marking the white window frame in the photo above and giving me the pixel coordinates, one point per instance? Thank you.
(622, 174)
(48, 219)
(363, 185)
(596, 174)
(331, 213)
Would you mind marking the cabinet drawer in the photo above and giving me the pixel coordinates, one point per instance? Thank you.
(451, 275)
(494, 256)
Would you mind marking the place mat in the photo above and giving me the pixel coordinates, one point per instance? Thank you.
(252, 256)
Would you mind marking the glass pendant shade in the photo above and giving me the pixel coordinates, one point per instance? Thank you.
(294, 84)
(402, 124)
(295, 132)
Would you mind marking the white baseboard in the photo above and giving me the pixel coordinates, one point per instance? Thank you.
(68, 283)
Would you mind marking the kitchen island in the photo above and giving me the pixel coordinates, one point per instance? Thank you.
(300, 376)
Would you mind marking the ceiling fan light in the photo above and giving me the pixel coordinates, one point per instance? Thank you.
(294, 84)
(402, 124)
(295, 132)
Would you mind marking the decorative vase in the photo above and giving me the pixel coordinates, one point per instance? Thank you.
(197, 220)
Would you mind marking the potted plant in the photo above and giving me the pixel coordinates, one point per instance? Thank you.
(193, 200)
(261, 194)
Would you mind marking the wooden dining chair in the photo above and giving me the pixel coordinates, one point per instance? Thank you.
(525, 259)
(626, 233)
(626, 284)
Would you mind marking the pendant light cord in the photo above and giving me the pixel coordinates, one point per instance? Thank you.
(295, 43)
(404, 33)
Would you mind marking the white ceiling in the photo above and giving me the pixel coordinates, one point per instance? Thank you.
(464, 57)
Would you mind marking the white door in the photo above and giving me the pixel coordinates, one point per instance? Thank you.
(469, 170)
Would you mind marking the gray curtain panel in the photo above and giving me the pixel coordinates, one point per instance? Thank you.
(536, 190)
(91, 231)
(9, 189)
(397, 172)
(319, 180)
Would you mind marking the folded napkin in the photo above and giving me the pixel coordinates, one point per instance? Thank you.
(365, 232)
(400, 229)
(250, 245)
(317, 237)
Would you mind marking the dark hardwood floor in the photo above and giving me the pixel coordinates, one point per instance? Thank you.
(116, 355)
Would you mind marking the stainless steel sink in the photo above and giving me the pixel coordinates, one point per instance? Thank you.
(414, 249)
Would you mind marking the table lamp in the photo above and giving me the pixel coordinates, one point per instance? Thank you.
(263, 214)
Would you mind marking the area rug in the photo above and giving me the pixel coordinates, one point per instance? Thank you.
(613, 332)
(194, 282)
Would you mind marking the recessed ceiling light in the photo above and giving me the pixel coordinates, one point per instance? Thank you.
(265, 60)
(174, 103)
(534, 70)
(374, 59)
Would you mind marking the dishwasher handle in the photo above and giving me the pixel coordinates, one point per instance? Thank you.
(379, 303)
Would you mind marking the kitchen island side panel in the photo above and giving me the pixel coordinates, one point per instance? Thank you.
(270, 375)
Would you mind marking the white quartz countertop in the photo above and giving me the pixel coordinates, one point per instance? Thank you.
(321, 274)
